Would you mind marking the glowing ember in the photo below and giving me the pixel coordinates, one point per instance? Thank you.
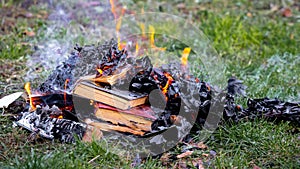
(27, 88)
(208, 87)
(185, 55)
(152, 39)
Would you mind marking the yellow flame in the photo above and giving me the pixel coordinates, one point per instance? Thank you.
(118, 23)
(27, 88)
(100, 71)
(185, 55)
(142, 26)
(169, 82)
(119, 42)
(152, 33)
(136, 49)
(152, 38)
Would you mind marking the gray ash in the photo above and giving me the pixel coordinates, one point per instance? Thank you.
(45, 122)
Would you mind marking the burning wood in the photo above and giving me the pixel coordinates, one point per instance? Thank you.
(51, 111)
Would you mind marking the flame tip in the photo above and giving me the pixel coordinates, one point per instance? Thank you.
(185, 54)
(28, 90)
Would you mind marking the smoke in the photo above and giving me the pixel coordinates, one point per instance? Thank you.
(92, 22)
(69, 23)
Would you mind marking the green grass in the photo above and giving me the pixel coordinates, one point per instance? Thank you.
(14, 42)
(258, 46)
(258, 143)
(265, 49)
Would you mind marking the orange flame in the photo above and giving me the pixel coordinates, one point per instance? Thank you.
(118, 23)
(152, 39)
(208, 87)
(169, 82)
(113, 8)
(65, 92)
(27, 88)
(185, 55)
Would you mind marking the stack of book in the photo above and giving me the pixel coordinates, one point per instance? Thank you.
(116, 110)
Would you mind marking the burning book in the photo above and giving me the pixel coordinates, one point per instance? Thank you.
(107, 117)
(121, 103)
(163, 97)
(121, 99)
(139, 118)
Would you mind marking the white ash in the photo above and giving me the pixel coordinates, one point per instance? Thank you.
(40, 122)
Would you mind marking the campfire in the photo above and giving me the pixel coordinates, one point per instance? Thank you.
(51, 112)
(131, 96)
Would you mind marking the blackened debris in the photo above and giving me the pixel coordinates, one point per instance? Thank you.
(231, 109)
(89, 57)
(236, 87)
(61, 78)
(44, 122)
(187, 96)
(58, 99)
(81, 62)
(113, 59)
(272, 109)
(67, 130)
